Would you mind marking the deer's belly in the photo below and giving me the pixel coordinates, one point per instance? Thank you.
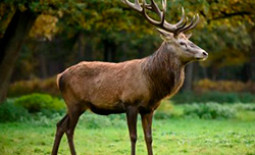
(106, 109)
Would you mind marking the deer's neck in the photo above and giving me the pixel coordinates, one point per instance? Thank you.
(164, 72)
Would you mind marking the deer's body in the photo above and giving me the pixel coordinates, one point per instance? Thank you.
(103, 87)
(107, 88)
(132, 87)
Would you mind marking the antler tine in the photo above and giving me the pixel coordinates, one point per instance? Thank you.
(137, 2)
(182, 18)
(136, 6)
(164, 6)
(176, 27)
(180, 27)
(154, 7)
(192, 24)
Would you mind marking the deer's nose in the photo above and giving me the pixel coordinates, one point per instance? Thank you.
(205, 54)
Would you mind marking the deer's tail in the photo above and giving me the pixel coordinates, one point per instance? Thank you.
(58, 80)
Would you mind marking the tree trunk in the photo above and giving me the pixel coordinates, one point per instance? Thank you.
(252, 58)
(248, 70)
(106, 50)
(81, 47)
(109, 51)
(205, 74)
(10, 46)
(43, 66)
(187, 86)
(113, 52)
(88, 52)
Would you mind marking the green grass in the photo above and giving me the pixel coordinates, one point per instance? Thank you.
(100, 135)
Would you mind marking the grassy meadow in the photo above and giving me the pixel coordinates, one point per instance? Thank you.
(174, 136)
(173, 133)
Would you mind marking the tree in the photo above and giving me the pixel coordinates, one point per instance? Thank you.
(10, 45)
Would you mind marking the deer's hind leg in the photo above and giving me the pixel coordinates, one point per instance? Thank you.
(61, 128)
(74, 115)
(67, 125)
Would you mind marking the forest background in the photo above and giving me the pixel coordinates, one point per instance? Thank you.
(41, 38)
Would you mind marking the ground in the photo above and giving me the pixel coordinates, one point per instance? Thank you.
(110, 137)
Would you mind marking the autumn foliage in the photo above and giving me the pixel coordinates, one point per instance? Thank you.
(206, 85)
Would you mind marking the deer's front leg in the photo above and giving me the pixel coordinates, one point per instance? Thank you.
(131, 121)
(147, 122)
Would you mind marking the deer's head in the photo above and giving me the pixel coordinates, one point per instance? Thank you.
(173, 35)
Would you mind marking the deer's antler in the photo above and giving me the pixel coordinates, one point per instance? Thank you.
(177, 28)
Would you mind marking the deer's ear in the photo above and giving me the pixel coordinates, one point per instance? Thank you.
(188, 35)
(164, 34)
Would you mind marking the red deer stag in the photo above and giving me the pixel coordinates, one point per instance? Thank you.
(131, 87)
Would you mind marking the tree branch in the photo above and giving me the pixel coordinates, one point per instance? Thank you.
(228, 15)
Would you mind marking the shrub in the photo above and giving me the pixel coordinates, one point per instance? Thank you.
(246, 97)
(46, 117)
(162, 115)
(246, 107)
(219, 97)
(93, 121)
(35, 85)
(10, 112)
(206, 85)
(208, 111)
(37, 102)
(167, 110)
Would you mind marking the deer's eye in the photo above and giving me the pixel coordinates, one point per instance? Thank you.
(183, 44)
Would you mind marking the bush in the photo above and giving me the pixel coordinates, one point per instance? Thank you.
(219, 97)
(246, 97)
(167, 110)
(34, 107)
(207, 85)
(10, 112)
(35, 85)
(208, 111)
(37, 102)
(245, 107)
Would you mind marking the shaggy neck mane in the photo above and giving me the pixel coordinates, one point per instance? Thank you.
(164, 72)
